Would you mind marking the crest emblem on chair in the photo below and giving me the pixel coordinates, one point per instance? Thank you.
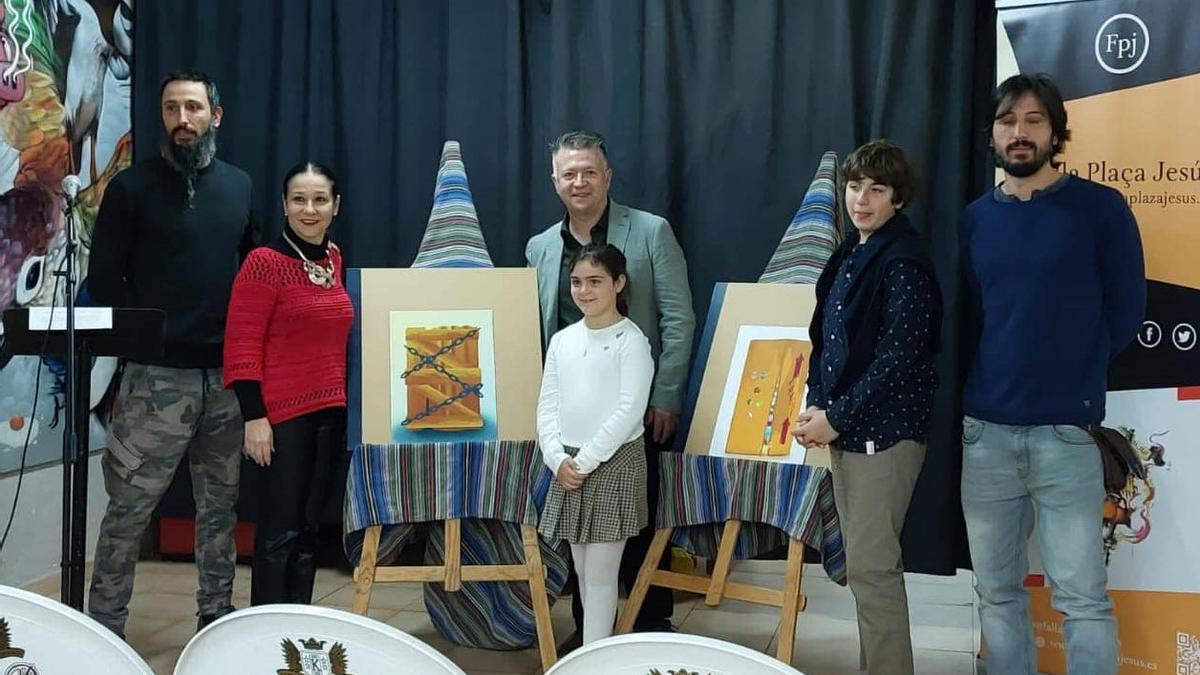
(8, 651)
(311, 658)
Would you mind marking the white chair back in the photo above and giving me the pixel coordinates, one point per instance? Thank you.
(41, 635)
(306, 640)
(642, 653)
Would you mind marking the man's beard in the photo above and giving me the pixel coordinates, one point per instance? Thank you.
(1023, 168)
(189, 159)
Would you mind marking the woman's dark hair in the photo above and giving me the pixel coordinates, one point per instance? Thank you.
(1046, 92)
(312, 167)
(609, 258)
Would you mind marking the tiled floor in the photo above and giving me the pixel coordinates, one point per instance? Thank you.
(944, 624)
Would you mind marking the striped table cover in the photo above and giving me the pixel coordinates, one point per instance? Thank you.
(495, 487)
(775, 501)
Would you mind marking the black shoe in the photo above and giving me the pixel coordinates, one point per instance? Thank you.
(659, 626)
(206, 619)
(573, 642)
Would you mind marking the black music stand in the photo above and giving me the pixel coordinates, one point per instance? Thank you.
(136, 334)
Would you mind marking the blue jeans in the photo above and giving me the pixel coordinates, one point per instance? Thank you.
(1012, 474)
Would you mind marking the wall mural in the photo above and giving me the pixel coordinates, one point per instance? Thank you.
(65, 87)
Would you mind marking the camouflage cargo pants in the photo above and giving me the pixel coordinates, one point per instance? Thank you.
(159, 415)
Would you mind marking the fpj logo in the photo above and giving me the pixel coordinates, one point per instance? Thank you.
(1122, 43)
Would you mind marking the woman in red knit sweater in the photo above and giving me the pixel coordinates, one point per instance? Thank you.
(285, 357)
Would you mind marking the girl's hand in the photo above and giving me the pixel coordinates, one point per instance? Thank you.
(569, 476)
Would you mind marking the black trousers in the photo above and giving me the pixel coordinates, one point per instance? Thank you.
(659, 605)
(293, 491)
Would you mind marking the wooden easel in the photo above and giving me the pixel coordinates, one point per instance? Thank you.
(714, 588)
(452, 573)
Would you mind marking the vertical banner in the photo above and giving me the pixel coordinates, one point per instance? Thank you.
(1130, 71)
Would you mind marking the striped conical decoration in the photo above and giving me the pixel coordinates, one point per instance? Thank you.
(813, 235)
(452, 237)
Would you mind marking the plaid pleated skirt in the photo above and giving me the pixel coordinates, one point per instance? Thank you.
(610, 506)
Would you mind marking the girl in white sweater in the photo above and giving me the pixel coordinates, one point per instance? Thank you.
(595, 388)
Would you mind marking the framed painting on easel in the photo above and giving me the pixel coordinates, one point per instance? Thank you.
(748, 380)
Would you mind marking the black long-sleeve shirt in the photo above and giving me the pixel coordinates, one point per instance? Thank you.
(152, 249)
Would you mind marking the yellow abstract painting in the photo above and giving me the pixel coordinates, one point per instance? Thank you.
(769, 396)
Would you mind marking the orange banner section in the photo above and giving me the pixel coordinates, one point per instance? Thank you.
(1158, 632)
(1128, 141)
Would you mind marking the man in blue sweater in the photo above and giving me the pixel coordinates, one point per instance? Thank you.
(1055, 289)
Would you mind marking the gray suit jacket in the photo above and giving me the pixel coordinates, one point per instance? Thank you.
(660, 300)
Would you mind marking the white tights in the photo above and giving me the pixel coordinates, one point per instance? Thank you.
(597, 565)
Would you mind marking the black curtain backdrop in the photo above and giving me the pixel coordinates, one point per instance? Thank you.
(716, 113)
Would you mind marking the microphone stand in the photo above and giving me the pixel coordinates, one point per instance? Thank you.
(75, 454)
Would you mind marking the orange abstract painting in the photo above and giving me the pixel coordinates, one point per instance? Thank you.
(769, 396)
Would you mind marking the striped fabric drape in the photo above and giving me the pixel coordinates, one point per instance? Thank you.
(501, 480)
(698, 493)
(452, 237)
(495, 487)
(506, 621)
(812, 235)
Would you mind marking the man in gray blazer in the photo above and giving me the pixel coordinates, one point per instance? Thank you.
(660, 303)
